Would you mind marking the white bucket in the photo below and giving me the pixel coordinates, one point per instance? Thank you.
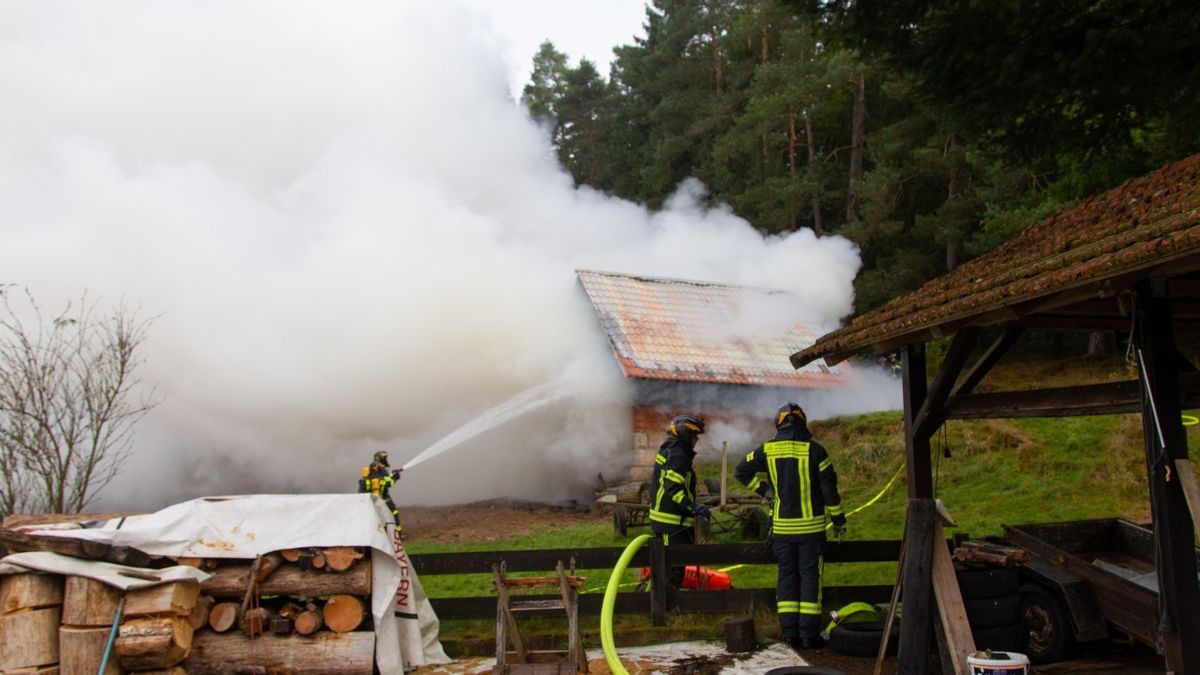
(998, 663)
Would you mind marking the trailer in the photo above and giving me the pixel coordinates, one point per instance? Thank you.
(1087, 580)
(744, 514)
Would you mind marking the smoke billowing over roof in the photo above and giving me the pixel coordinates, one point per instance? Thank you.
(351, 236)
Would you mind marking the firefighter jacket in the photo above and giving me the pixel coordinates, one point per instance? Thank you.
(378, 482)
(802, 477)
(674, 485)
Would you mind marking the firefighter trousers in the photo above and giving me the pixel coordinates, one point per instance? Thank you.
(674, 535)
(798, 592)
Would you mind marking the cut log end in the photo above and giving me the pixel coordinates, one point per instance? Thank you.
(343, 613)
(223, 616)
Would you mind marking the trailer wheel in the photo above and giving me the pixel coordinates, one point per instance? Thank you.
(1049, 633)
(620, 524)
(992, 612)
(645, 492)
(756, 524)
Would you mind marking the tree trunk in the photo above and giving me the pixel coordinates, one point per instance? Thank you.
(858, 134)
(718, 67)
(812, 167)
(321, 654)
(953, 248)
(153, 644)
(230, 582)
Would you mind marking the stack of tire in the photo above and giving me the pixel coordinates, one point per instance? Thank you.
(993, 603)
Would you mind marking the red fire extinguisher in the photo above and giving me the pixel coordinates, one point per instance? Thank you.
(699, 578)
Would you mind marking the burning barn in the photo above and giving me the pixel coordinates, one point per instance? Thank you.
(696, 347)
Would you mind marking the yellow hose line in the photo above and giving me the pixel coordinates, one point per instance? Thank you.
(610, 601)
(1190, 420)
(878, 495)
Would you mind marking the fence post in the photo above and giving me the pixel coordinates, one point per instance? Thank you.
(658, 581)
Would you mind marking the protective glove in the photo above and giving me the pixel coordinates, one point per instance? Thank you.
(396, 473)
(839, 532)
(701, 511)
(768, 495)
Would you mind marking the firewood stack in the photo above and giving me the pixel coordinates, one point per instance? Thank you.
(289, 611)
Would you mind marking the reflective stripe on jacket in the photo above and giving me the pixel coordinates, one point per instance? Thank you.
(804, 481)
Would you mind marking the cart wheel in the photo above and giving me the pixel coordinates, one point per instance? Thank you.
(620, 525)
(756, 524)
(714, 486)
(1049, 634)
(645, 492)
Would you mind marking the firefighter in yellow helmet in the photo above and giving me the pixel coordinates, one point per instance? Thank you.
(802, 487)
(673, 506)
(378, 479)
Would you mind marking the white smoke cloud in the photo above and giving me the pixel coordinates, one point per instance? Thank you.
(351, 236)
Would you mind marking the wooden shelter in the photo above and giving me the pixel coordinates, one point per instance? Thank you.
(1124, 260)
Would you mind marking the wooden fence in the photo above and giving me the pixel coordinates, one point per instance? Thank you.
(660, 599)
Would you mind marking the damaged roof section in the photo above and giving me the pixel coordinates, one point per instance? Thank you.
(690, 331)
(1071, 265)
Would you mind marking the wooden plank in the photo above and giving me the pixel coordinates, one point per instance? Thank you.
(87, 602)
(17, 542)
(990, 358)
(30, 591)
(917, 589)
(30, 638)
(700, 602)
(174, 599)
(323, 653)
(1187, 479)
(82, 649)
(1092, 399)
(480, 562)
(955, 628)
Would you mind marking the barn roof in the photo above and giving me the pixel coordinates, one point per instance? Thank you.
(1066, 272)
(691, 331)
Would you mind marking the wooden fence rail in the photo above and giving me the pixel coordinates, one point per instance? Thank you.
(659, 558)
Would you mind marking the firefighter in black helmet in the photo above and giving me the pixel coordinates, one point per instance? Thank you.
(378, 479)
(673, 506)
(802, 487)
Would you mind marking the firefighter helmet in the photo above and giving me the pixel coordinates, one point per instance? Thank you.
(381, 458)
(790, 413)
(686, 426)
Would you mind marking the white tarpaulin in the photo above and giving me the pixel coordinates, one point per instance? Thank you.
(251, 525)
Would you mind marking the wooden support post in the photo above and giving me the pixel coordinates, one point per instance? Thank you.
(932, 412)
(918, 592)
(1166, 443)
(919, 467)
(724, 471)
(658, 581)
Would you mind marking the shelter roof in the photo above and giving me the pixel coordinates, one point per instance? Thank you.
(1065, 272)
(691, 331)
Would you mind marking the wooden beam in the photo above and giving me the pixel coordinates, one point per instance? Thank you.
(915, 389)
(931, 415)
(955, 628)
(1166, 442)
(988, 361)
(1110, 398)
(917, 592)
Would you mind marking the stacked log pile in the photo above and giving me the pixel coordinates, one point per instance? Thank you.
(290, 611)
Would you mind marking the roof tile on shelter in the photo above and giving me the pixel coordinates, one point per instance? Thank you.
(688, 331)
(1087, 251)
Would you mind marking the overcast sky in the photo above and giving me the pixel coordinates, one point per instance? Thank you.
(580, 28)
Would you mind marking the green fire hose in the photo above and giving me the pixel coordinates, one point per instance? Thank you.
(610, 600)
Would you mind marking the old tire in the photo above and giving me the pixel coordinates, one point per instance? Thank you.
(1048, 632)
(996, 582)
(714, 486)
(862, 638)
(992, 612)
(1010, 638)
(645, 492)
(620, 523)
(755, 524)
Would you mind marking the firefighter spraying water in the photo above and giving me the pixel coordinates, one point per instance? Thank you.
(378, 479)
